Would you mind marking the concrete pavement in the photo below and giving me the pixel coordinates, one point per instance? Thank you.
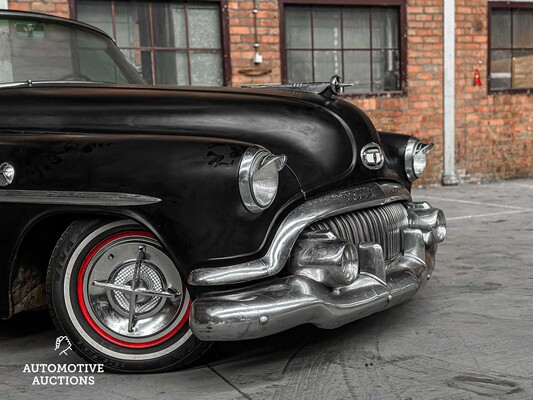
(466, 335)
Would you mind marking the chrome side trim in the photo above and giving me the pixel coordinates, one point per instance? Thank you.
(362, 196)
(107, 199)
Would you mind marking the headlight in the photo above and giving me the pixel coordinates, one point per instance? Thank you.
(415, 158)
(259, 178)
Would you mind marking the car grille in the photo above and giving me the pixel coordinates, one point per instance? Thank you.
(382, 225)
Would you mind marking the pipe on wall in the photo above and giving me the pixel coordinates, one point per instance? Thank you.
(449, 176)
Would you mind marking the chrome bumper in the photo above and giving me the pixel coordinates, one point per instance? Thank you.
(285, 302)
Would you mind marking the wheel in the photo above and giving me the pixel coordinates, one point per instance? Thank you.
(120, 299)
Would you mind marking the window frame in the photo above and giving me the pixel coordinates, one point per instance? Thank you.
(224, 34)
(508, 5)
(402, 38)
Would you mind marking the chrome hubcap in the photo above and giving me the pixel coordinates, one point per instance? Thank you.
(133, 290)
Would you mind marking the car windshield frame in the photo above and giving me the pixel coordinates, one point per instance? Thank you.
(13, 25)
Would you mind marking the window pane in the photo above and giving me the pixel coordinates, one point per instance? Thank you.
(384, 27)
(385, 70)
(132, 24)
(205, 68)
(327, 64)
(357, 71)
(6, 64)
(327, 27)
(171, 67)
(522, 28)
(97, 14)
(298, 28)
(147, 67)
(500, 69)
(345, 28)
(500, 28)
(523, 69)
(204, 26)
(48, 55)
(95, 62)
(169, 25)
(142, 62)
(142, 27)
(356, 28)
(299, 66)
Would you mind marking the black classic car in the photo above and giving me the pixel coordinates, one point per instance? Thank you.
(153, 220)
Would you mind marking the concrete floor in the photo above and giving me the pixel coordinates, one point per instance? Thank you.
(467, 335)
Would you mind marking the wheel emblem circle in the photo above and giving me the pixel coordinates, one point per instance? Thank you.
(130, 292)
(149, 278)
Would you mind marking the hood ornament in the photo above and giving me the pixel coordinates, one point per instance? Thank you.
(335, 86)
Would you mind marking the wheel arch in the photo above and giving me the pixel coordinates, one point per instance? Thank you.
(31, 254)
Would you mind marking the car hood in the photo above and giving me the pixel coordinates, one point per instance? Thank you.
(321, 137)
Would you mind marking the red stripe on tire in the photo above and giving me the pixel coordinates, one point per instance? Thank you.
(89, 319)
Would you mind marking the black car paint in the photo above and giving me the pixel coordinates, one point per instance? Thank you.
(184, 147)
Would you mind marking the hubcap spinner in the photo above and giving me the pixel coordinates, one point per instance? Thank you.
(133, 289)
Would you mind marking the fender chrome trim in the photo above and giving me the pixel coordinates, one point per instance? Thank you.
(106, 199)
(337, 202)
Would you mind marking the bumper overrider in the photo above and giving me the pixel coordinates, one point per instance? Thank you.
(319, 276)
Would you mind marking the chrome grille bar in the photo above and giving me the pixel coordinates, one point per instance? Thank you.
(382, 225)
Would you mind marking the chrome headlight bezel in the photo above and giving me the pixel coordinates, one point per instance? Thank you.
(415, 148)
(254, 160)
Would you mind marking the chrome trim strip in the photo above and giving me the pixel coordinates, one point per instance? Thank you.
(30, 83)
(362, 196)
(107, 199)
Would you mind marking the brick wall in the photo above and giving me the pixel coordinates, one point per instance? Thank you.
(54, 7)
(419, 112)
(242, 40)
(494, 133)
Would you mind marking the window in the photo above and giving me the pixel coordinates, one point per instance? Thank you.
(173, 43)
(511, 46)
(359, 43)
(53, 51)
